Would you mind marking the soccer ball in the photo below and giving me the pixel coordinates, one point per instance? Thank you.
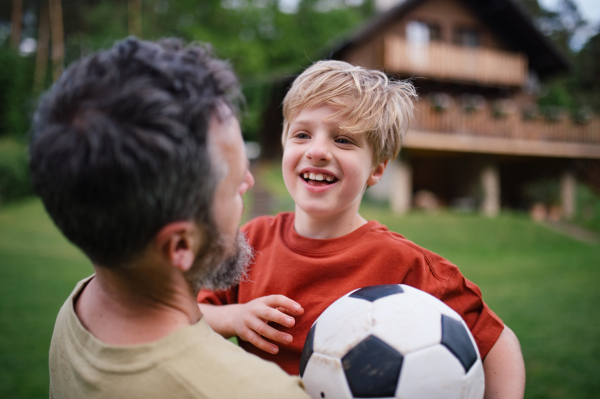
(391, 341)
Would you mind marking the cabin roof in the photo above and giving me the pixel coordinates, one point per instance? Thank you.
(505, 18)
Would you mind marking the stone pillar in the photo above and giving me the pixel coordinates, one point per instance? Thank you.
(401, 191)
(490, 184)
(567, 194)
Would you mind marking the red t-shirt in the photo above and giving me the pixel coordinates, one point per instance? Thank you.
(315, 273)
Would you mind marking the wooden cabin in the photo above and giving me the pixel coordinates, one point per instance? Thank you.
(478, 140)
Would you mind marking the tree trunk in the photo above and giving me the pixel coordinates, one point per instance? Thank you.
(41, 59)
(134, 17)
(58, 45)
(15, 23)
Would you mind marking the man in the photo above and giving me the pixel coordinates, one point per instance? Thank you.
(138, 158)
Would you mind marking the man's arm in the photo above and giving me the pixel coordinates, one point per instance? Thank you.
(504, 368)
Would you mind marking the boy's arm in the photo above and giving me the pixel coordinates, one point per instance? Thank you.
(504, 368)
(249, 321)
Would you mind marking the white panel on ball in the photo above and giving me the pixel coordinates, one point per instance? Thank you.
(432, 373)
(433, 301)
(475, 382)
(324, 378)
(406, 323)
(354, 315)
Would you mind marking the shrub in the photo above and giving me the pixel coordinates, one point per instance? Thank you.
(14, 171)
(588, 208)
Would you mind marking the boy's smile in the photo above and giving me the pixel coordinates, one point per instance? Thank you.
(325, 169)
(317, 179)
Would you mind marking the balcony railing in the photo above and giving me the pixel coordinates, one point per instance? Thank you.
(514, 125)
(449, 62)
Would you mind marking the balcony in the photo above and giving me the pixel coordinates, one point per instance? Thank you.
(455, 63)
(454, 129)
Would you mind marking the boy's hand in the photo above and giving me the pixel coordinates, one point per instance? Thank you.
(251, 321)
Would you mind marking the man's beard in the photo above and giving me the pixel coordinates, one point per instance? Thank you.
(216, 268)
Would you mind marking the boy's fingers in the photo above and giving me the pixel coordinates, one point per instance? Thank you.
(287, 312)
(276, 316)
(275, 301)
(263, 329)
(260, 343)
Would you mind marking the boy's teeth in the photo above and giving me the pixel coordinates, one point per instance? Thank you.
(317, 176)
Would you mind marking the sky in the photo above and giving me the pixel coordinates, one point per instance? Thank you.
(590, 10)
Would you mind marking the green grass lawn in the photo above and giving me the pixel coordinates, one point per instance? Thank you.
(542, 284)
(38, 270)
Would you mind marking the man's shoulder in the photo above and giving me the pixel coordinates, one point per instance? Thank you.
(216, 368)
(193, 362)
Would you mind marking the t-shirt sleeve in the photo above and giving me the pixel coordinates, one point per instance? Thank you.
(466, 299)
(444, 280)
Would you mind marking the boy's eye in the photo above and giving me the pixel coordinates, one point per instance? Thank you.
(343, 140)
(301, 135)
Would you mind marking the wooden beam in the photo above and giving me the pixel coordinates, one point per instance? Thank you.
(15, 23)
(493, 145)
(58, 42)
(43, 44)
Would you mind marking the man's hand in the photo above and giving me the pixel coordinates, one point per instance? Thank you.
(252, 321)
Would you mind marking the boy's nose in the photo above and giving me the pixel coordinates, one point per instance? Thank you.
(318, 152)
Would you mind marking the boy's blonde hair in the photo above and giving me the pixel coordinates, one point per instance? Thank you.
(366, 99)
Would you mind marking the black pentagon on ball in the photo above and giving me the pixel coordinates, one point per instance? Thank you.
(374, 292)
(307, 350)
(456, 338)
(372, 369)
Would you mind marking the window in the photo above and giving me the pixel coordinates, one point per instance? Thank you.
(467, 37)
(421, 33)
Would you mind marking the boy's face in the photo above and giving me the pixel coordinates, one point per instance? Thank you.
(325, 169)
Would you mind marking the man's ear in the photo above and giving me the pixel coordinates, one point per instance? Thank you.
(178, 244)
(377, 173)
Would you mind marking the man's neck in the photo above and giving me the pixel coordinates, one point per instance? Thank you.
(327, 226)
(127, 308)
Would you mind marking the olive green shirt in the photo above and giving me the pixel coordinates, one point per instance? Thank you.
(193, 362)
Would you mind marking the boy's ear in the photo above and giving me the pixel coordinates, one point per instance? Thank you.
(178, 244)
(377, 173)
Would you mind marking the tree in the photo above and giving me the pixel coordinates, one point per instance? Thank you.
(15, 24)
(58, 41)
(43, 43)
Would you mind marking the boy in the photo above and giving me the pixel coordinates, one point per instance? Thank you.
(342, 124)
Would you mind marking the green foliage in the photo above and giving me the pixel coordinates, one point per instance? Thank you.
(16, 77)
(14, 171)
(546, 191)
(577, 92)
(261, 42)
(588, 208)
